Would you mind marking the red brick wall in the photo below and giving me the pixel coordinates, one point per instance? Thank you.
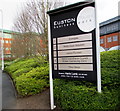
(7, 45)
(107, 44)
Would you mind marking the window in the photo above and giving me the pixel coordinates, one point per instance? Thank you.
(101, 41)
(7, 35)
(9, 55)
(109, 39)
(109, 28)
(6, 41)
(6, 49)
(103, 30)
(115, 38)
(0, 34)
(115, 27)
(112, 27)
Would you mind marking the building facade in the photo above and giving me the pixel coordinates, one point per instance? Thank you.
(7, 43)
(7, 40)
(20, 45)
(110, 33)
(109, 36)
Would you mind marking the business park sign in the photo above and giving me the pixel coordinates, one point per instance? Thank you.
(74, 43)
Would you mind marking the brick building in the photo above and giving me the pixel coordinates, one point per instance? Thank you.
(12, 41)
(110, 33)
(109, 36)
(7, 42)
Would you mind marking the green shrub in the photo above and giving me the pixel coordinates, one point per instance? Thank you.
(20, 71)
(110, 59)
(29, 86)
(32, 82)
(30, 77)
(21, 64)
(110, 77)
(72, 95)
(39, 73)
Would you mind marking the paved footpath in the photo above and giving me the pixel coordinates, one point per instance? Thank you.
(8, 92)
(10, 101)
(0, 90)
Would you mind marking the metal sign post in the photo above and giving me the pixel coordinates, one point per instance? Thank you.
(74, 44)
(2, 61)
(98, 51)
(2, 41)
(50, 72)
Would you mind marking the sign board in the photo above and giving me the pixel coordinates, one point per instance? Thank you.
(73, 42)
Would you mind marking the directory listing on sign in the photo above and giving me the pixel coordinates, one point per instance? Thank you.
(74, 52)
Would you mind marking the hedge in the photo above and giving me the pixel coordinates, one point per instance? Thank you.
(30, 77)
(81, 95)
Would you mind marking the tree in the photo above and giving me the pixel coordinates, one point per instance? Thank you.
(24, 44)
(32, 23)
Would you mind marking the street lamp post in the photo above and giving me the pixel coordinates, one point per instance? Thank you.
(2, 41)
(2, 56)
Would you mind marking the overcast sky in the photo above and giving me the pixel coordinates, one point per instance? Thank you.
(106, 9)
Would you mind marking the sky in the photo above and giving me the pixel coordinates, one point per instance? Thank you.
(106, 9)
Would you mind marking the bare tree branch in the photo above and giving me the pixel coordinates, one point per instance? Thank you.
(32, 24)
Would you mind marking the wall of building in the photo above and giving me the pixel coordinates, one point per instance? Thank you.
(109, 33)
(7, 40)
(110, 40)
(7, 46)
(109, 36)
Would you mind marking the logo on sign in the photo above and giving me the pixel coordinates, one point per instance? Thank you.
(64, 23)
(86, 19)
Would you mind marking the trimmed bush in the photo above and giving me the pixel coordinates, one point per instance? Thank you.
(78, 95)
(110, 77)
(32, 82)
(29, 76)
(71, 96)
(110, 67)
(23, 63)
(20, 71)
(30, 86)
(110, 59)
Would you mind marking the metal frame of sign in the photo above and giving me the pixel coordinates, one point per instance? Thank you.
(61, 55)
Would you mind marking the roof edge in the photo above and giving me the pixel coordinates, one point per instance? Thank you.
(114, 19)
